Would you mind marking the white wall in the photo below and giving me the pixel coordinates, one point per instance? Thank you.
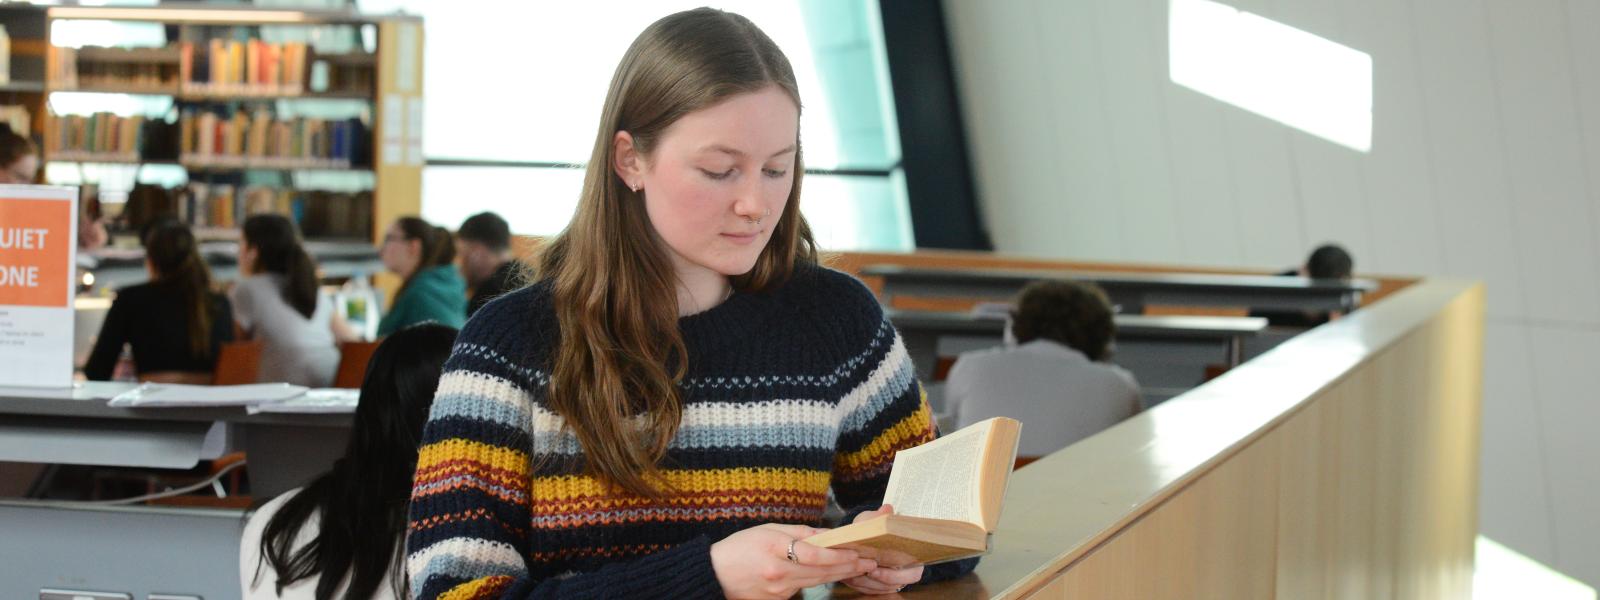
(1485, 163)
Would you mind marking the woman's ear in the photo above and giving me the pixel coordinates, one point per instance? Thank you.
(626, 160)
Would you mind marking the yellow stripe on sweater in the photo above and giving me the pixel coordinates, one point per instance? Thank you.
(696, 481)
(910, 432)
(453, 449)
(487, 587)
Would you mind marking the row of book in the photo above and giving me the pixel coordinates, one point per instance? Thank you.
(102, 134)
(258, 138)
(214, 68)
(232, 66)
(204, 206)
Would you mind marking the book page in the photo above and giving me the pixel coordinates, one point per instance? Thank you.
(939, 479)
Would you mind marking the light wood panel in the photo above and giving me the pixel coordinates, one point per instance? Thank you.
(1341, 465)
(399, 180)
(1365, 493)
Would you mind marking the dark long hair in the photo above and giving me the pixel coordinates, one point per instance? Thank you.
(362, 500)
(438, 246)
(14, 146)
(620, 353)
(173, 252)
(278, 250)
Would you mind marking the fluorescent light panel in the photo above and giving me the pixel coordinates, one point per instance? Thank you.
(1301, 80)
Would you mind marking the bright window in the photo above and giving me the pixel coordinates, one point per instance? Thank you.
(524, 82)
(1268, 68)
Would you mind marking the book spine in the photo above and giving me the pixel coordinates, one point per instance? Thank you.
(185, 62)
(252, 61)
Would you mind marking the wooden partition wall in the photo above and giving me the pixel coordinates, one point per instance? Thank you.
(1342, 464)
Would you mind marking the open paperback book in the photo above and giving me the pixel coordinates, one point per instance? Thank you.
(946, 496)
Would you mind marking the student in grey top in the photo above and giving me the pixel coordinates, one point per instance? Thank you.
(278, 303)
(1053, 376)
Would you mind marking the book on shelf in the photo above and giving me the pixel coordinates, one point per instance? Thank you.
(215, 67)
(258, 139)
(223, 207)
(130, 69)
(946, 496)
(233, 67)
(63, 65)
(102, 135)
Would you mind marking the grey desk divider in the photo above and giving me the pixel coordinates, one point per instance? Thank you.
(109, 442)
(73, 548)
(81, 549)
(1168, 355)
(1131, 291)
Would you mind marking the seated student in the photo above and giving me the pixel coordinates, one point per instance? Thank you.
(175, 323)
(1328, 261)
(1054, 377)
(278, 302)
(286, 553)
(484, 246)
(423, 255)
(19, 157)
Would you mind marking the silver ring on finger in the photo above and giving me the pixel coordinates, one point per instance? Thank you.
(792, 558)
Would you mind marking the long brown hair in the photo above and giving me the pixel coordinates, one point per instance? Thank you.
(172, 250)
(278, 250)
(620, 354)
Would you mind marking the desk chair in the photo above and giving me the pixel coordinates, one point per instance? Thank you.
(353, 359)
(237, 363)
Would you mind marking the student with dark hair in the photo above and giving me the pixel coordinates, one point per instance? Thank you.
(278, 302)
(19, 164)
(174, 323)
(1055, 376)
(341, 535)
(423, 255)
(1328, 261)
(483, 246)
(19, 157)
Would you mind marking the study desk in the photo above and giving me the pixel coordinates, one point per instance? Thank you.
(135, 549)
(76, 427)
(117, 269)
(1131, 291)
(1167, 354)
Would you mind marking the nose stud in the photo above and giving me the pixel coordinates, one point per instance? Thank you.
(758, 221)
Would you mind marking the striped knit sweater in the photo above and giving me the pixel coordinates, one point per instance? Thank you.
(790, 394)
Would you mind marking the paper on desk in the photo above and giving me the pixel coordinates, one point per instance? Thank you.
(322, 400)
(175, 394)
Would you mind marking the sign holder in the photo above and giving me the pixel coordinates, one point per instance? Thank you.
(38, 280)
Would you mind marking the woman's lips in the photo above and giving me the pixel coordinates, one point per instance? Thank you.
(742, 238)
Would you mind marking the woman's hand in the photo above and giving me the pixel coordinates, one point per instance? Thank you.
(754, 563)
(883, 580)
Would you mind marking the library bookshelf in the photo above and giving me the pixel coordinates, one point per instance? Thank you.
(252, 95)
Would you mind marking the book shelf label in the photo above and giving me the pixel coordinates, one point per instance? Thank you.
(38, 250)
(407, 43)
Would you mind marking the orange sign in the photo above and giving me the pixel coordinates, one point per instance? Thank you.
(35, 247)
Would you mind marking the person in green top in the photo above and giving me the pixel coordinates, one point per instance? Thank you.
(423, 255)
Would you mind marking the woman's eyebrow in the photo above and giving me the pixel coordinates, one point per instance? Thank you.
(740, 154)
